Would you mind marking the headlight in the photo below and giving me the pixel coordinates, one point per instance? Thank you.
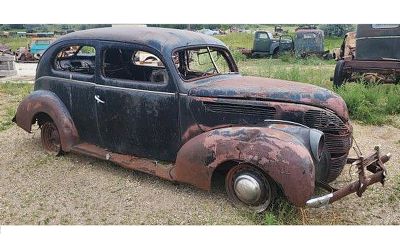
(317, 141)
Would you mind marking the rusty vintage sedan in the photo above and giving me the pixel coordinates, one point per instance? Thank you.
(172, 103)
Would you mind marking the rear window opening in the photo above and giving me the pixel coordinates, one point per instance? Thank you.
(76, 58)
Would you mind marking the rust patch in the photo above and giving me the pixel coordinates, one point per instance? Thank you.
(127, 161)
(280, 155)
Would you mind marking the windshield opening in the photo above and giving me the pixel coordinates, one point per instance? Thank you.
(195, 63)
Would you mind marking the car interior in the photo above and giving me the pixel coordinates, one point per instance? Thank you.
(133, 65)
(117, 63)
(79, 59)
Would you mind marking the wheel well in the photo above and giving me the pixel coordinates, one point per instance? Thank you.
(41, 118)
(219, 173)
(276, 50)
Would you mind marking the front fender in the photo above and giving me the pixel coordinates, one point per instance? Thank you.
(273, 47)
(43, 101)
(279, 154)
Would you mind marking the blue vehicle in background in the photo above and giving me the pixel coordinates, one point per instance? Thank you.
(34, 51)
(39, 45)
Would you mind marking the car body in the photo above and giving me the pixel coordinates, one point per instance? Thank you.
(374, 55)
(172, 103)
(209, 32)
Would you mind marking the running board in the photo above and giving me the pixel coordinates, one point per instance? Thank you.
(152, 167)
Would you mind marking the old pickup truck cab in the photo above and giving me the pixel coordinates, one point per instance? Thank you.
(172, 103)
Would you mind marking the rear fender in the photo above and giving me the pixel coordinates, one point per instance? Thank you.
(43, 101)
(279, 154)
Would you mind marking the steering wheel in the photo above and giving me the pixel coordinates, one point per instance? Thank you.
(209, 71)
(66, 66)
(87, 65)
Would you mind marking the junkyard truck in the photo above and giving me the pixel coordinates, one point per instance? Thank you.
(376, 53)
(306, 42)
(266, 45)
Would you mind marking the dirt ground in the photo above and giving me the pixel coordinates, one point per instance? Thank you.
(39, 189)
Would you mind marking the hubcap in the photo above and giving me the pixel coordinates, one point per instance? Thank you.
(247, 189)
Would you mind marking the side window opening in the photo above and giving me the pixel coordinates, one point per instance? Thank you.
(135, 65)
(262, 35)
(76, 58)
(385, 26)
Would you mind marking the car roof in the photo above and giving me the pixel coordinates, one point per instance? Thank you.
(162, 39)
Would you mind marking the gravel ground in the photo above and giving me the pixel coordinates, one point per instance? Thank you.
(39, 189)
(25, 72)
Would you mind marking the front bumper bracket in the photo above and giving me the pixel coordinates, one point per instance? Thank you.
(373, 163)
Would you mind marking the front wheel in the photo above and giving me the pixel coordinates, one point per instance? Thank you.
(249, 187)
(339, 76)
(50, 138)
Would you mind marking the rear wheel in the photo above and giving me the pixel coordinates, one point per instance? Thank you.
(50, 138)
(249, 187)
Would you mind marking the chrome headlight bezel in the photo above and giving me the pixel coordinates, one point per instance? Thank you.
(317, 142)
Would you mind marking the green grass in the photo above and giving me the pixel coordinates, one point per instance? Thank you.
(282, 213)
(372, 104)
(11, 93)
(331, 43)
(394, 197)
(15, 42)
(16, 88)
(237, 40)
(310, 70)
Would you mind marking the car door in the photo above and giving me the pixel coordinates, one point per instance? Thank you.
(73, 81)
(262, 42)
(137, 109)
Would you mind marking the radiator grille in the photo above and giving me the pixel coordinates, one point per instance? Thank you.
(266, 112)
(324, 121)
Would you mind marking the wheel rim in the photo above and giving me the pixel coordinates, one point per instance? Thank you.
(248, 187)
(50, 138)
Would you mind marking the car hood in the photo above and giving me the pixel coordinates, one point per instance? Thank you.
(258, 88)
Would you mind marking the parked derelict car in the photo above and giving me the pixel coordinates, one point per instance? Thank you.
(172, 103)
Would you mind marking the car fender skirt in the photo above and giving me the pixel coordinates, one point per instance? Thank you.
(43, 101)
(279, 154)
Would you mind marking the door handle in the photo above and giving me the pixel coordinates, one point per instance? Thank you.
(97, 98)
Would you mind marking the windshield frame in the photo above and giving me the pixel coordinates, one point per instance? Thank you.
(224, 52)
